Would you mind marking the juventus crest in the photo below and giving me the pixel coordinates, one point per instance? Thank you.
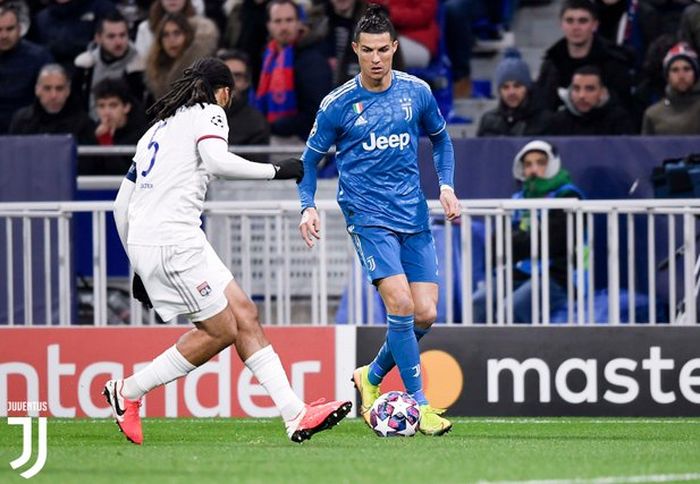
(407, 108)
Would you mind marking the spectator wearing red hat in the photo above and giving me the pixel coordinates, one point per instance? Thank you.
(679, 111)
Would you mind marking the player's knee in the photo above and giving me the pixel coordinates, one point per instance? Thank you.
(229, 335)
(401, 304)
(426, 316)
(247, 315)
(224, 331)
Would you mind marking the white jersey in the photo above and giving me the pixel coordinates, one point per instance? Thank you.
(171, 181)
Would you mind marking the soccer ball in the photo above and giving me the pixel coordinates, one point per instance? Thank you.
(394, 414)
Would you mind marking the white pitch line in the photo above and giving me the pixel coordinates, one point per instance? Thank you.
(185, 420)
(693, 476)
(506, 421)
(525, 421)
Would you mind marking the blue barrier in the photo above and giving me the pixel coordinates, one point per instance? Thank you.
(604, 167)
(34, 169)
(117, 261)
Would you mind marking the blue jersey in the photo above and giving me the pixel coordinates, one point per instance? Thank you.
(376, 136)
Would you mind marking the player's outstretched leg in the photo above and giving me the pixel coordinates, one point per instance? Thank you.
(301, 420)
(125, 411)
(193, 349)
(316, 417)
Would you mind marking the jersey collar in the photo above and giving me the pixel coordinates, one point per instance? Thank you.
(358, 81)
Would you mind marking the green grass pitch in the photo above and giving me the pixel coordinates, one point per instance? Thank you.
(557, 450)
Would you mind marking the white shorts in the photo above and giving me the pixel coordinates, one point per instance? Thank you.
(182, 280)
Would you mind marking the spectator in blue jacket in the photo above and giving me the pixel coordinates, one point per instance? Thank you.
(538, 167)
(295, 74)
(20, 61)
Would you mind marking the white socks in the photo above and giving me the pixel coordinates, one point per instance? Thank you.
(264, 364)
(167, 367)
(267, 368)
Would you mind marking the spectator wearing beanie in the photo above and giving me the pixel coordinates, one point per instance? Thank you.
(678, 112)
(516, 114)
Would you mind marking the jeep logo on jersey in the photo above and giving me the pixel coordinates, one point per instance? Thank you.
(399, 141)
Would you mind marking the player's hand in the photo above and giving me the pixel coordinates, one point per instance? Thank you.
(139, 292)
(291, 168)
(450, 203)
(310, 226)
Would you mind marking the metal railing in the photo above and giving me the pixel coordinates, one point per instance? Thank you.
(293, 284)
(106, 182)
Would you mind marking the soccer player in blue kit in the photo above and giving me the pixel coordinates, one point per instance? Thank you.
(374, 120)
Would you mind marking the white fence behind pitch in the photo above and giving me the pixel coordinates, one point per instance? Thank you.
(261, 243)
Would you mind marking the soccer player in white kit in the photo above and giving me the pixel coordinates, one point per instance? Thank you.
(157, 212)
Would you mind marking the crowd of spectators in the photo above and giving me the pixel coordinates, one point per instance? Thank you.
(620, 67)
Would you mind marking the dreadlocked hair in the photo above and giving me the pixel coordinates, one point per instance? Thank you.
(196, 86)
(374, 21)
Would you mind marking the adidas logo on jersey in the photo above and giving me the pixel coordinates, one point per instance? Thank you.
(399, 141)
(360, 121)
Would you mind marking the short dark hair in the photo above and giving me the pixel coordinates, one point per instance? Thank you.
(237, 55)
(113, 17)
(234, 54)
(10, 7)
(589, 70)
(374, 21)
(586, 5)
(110, 87)
(282, 2)
(21, 12)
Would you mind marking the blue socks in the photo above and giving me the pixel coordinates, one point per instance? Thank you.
(384, 361)
(401, 348)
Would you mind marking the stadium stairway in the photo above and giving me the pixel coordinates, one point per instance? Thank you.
(535, 28)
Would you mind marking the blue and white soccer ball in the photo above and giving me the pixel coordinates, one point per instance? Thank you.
(395, 414)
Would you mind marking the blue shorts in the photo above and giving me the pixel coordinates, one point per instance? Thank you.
(385, 253)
